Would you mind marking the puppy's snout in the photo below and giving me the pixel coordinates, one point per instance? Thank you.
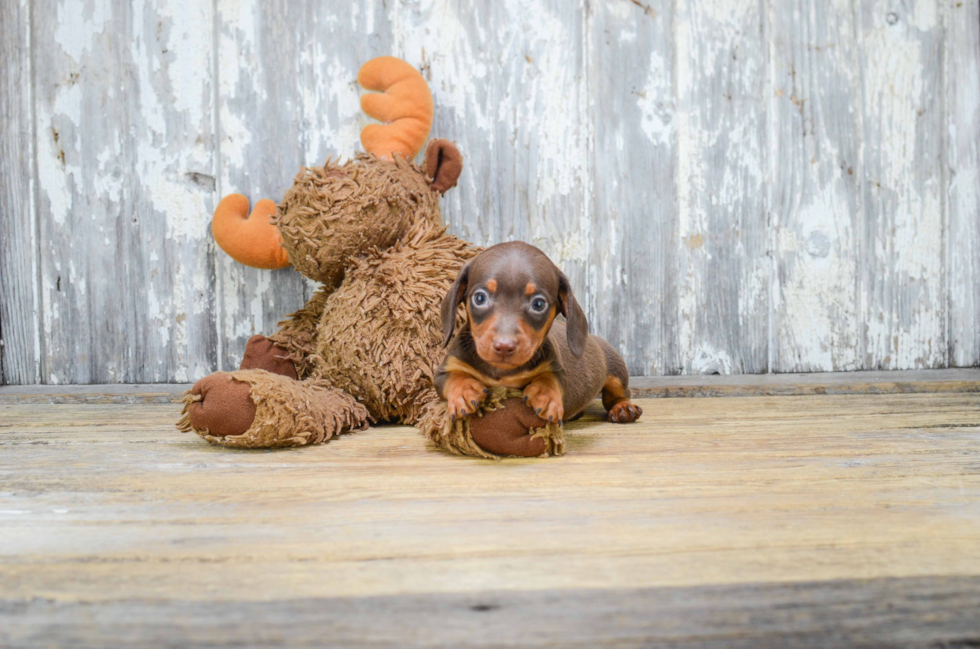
(504, 346)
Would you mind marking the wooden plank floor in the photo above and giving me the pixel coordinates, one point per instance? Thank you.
(740, 521)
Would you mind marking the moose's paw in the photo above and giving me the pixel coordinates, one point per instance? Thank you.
(224, 408)
(509, 430)
(263, 354)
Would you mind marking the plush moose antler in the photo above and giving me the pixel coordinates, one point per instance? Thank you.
(403, 102)
(249, 239)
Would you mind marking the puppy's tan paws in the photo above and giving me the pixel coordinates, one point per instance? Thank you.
(625, 412)
(464, 396)
(545, 401)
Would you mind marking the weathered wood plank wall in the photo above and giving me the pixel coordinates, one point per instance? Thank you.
(20, 347)
(732, 185)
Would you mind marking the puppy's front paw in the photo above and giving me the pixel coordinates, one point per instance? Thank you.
(545, 399)
(624, 412)
(464, 395)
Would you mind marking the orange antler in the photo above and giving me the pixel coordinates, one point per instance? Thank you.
(250, 239)
(403, 102)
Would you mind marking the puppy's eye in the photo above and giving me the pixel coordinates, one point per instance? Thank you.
(480, 298)
(539, 304)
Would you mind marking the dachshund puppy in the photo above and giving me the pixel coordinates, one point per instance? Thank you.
(513, 293)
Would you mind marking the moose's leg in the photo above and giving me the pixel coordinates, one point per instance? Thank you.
(504, 426)
(297, 334)
(263, 354)
(258, 409)
(509, 430)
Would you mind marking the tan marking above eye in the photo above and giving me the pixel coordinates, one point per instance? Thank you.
(492, 285)
(530, 289)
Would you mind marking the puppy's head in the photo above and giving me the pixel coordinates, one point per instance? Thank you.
(512, 293)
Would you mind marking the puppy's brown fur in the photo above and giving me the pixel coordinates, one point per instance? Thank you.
(513, 294)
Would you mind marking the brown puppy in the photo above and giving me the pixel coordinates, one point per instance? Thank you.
(513, 293)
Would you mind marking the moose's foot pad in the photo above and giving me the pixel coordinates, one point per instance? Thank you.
(263, 354)
(220, 405)
(279, 411)
(504, 426)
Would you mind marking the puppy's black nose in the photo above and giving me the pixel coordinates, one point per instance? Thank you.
(504, 346)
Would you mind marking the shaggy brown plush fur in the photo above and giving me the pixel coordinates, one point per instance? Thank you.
(335, 213)
(315, 414)
(365, 346)
(506, 434)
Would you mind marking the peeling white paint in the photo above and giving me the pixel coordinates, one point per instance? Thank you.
(556, 103)
(58, 150)
(657, 115)
(341, 139)
(130, 96)
(236, 61)
(107, 165)
(817, 312)
(905, 320)
(77, 22)
(924, 17)
(688, 222)
(706, 360)
(458, 74)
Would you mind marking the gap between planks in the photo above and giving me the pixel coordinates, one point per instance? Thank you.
(645, 387)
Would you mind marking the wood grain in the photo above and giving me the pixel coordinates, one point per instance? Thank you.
(961, 67)
(923, 611)
(20, 344)
(825, 506)
(288, 97)
(455, 46)
(818, 383)
(724, 269)
(732, 187)
(633, 277)
(124, 172)
(902, 127)
(509, 85)
(815, 202)
(738, 385)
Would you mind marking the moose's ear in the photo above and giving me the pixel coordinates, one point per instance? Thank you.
(443, 164)
(456, 294)
(576, 325)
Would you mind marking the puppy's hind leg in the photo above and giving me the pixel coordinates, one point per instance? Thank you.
(616, 391)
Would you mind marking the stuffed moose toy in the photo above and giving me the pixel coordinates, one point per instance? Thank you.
(364, 348)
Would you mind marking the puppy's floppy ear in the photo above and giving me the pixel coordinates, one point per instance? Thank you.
(456, 294)
(577, 327)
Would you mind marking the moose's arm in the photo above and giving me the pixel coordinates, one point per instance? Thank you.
(297, 333)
